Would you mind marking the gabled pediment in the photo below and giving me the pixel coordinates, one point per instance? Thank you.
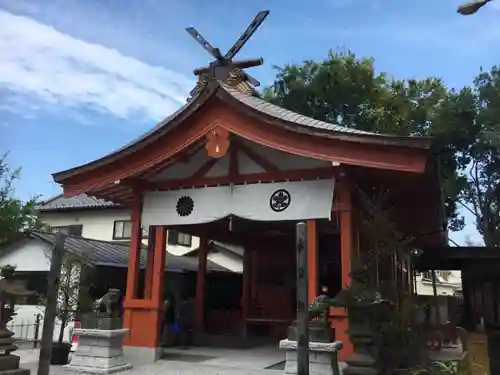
(244, 158)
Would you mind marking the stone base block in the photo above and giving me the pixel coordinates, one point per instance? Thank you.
(99, 351)
(18, 371)
(322, 357)
(9, 362)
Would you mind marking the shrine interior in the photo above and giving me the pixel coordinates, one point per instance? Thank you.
(260, 303)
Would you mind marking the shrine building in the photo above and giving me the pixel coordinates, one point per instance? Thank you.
(231, 167)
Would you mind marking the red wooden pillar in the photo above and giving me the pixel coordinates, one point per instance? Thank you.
(148, 282)
(134, 265)
(312, 259)
(160, 253)
(143, 316)
(200, 284)
(344, 208)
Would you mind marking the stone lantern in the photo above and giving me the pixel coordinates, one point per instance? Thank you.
(10, 291)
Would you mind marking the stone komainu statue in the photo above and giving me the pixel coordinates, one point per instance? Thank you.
(110, 303)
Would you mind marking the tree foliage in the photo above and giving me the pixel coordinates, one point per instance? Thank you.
(345, 89)
(482, 155)
(75, 283)
(15, 215)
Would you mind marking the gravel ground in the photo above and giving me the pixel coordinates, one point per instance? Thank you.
(29, 359)
(168, 367)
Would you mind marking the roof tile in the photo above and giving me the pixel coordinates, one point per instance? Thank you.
(61, 202)
(284, 114)
(115, 254)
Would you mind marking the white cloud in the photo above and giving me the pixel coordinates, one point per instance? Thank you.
(58, 70)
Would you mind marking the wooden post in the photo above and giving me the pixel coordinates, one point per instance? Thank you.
(134, 264)
(150, 259)
(201, 278)
(302, 301)
(312, 259)
(159, 255)
(341, 324)
(437, 313)
(51, 306)
(245, 292)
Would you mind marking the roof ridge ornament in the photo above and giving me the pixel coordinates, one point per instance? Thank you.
(222, 66)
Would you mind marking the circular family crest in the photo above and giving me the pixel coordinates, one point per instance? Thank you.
(280, 200)
(185, 206)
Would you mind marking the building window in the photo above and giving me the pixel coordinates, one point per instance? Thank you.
(177, 238)
(122, 230)
(70, 230)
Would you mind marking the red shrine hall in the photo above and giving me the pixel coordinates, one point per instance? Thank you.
(231, 167)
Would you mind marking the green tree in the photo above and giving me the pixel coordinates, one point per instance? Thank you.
(15, 215)
(481, 195)
(346, 90)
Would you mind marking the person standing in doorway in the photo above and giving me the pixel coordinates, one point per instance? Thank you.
(186, 322)
(168, 319)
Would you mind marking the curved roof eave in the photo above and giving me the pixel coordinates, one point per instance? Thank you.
(295, 122)
(158, 130)
(256, 107)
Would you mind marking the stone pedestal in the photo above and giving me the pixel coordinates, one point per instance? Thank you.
(99, 351)
(323, 358)
(109, 323)
(9, 365)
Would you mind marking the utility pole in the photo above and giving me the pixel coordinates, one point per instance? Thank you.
(51, 306)
(302, 301)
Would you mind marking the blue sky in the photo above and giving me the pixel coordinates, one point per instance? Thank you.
(79, 78)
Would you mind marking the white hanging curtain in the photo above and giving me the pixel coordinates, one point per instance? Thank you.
(260, 202)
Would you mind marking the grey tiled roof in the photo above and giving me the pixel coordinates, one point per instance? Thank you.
(280, 113)
(115, 254)
(61, 202)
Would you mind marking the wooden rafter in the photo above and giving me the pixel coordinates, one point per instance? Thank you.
(258, 159)
(203, 170)
(184, 157)
(294, 175)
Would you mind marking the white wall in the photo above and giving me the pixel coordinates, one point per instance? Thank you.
(97, 224)
(424, 287)
(181, 250)
(234, 263)
(30, 255)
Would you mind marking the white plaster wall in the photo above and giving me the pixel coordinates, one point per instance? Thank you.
(424, 287)
(97, 224)
(231, 262)
(31, 255)
(181, 250)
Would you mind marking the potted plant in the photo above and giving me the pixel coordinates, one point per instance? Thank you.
(73, 297)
